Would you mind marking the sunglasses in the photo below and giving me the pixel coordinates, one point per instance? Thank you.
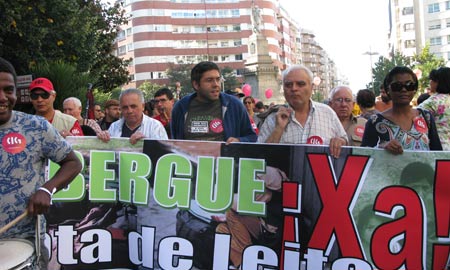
(397, 87)
(44, 95)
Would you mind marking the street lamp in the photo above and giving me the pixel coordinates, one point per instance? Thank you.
(370, 53)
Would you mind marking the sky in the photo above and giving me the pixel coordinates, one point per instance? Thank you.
(346, 29)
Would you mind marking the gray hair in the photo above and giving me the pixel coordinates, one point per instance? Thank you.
(297, 67)
(337, 88)
(75, 101)
(132, 91)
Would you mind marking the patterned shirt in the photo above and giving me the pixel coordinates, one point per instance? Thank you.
(439, 106)
(321, 126)
(421, 136)
(27, 142)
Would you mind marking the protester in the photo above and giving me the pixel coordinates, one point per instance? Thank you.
(112, 114)
(434, 80)
(304, 121)
(43, 94)
(98, 112)
(249, 103)
(164, 101)
(209, 114)
(383, 101)
(341, 101)
(134, 124)
(259, 107)
(72, 106)
(366, 101)
(439, 106)
(22, 165)
(402, 127)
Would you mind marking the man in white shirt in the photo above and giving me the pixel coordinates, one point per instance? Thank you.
(303, 121)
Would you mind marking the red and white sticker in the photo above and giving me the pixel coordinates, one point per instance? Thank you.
(420, 125)
(14, 143)
(216, 125)
(314, 140)
(359, 131)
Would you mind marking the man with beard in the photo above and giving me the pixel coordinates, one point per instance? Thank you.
(384, 101)
(209, 114)
(112, 114)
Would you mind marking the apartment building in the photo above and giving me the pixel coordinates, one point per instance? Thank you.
(415, 23)
(165, 32)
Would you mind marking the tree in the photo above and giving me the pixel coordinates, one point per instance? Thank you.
(382, 68)
(229, 76)
(78, 32)
(67, 81)
(149, 89)
(181, 73)
(425, 62)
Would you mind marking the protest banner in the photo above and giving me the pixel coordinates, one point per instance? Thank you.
(207, 205)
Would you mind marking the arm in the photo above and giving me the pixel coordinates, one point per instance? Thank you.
(433, 135)
(370, 136)
(273, 135)
(40, 201)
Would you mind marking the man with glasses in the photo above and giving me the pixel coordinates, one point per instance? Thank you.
(341, 101)
(209, 114)
(303, 121)
(163, 100)
(43, 94)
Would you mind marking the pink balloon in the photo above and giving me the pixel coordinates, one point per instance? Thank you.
(268, 93)
(247, 90)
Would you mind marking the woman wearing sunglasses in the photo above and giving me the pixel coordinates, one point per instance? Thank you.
(401, 127)
(439, 104)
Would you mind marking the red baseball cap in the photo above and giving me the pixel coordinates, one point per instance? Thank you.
(42, 83)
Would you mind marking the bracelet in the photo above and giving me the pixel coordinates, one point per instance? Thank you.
(48, 192)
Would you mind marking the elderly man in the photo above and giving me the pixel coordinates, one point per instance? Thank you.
(341, 101)
(43, 94)
(134, 124)
(304, 121)
(72, 106)
(28, 142)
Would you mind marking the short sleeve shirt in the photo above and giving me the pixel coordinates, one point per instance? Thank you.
(27, 141)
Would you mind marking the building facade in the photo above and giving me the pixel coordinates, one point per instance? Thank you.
(416, 23)
(166, 32)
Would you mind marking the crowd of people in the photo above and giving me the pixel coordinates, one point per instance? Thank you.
(210, 114)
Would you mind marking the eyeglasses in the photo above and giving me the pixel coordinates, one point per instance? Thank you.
(397, 87)
(342, 100)
(44, 95)
(163, 100)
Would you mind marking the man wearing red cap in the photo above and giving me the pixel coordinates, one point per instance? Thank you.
(43, 94)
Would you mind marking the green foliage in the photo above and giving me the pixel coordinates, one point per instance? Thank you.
(67, 81)
(149, 89)
(230, 82)
(78, 32)
(101, 97)
(382, 68)
(181, 73)
(426, 62)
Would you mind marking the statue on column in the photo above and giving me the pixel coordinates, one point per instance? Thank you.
(256, 19)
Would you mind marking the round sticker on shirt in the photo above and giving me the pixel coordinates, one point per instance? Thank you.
(420, 125)
(359, 131)
(314, 140)
(14, 143)
(216, 125)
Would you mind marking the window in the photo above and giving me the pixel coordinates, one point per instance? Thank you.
(410, 43)
(121, 35)
(130, 47)
(407, 11)
(447, 5)
(129, 31)
(434, 25)
(122, 50)
(448, 39)
(433, 8)
(435, 41)
(408, 27)
(238, 57)
(237, 27)
(237, 43)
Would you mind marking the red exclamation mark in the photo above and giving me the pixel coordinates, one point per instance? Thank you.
(442, 209)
